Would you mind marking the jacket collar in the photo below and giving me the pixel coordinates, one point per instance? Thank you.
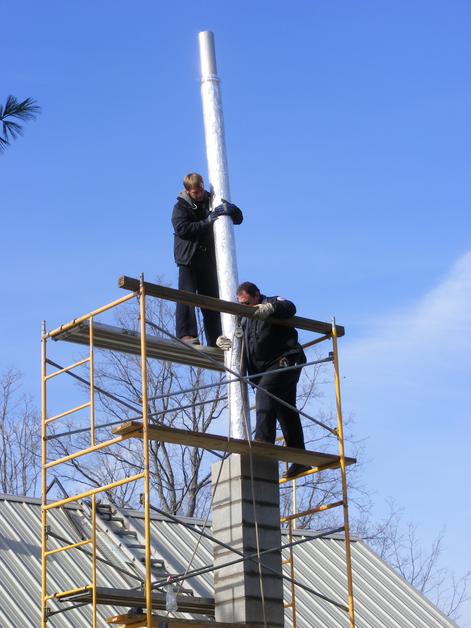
(187, 198)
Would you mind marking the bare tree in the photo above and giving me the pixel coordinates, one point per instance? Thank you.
(180, 476)
(20, 438)
(397, 543)
(320, 489)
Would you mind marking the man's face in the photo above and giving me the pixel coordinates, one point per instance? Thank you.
(245, 298)
(196, 193)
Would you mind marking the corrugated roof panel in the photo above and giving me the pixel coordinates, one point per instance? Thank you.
(382, 598)
(20, 567)
(389, 585)
(175, 545)
(377, 596)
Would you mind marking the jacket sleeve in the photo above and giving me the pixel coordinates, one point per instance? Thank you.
(283, 307)
(184, 226)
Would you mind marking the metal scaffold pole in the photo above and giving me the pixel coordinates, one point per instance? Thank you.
(145, 426)
(43, 478)
(340, 436)
(223, 229)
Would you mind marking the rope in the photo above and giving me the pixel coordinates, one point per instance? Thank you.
(101, 390)
(134, 418)
(194, 528)
(252, 486)
(208, 569)
(217, 483)
(190, 561)
(245, 378)
(247, 429)
(236, 379)
(207, 515)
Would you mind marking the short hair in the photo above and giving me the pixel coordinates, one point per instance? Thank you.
(193, 180)
(249, 288)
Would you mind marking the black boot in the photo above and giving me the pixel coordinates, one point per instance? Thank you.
(294, 470)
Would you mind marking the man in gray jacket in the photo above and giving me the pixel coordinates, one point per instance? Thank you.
(195, 256)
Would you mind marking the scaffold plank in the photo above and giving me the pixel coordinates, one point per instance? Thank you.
(132, 598)
(133, 429)
(211, 303)
(129, 341)
(161, 621)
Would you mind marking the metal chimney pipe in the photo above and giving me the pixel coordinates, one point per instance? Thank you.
(223, 228)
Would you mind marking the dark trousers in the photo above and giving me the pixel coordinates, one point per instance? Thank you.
(283, 385)
(201, 278)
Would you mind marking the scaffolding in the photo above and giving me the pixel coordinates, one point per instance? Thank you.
(86, 331)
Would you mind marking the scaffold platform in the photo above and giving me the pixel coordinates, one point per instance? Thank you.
(129, 341)
(137, 599)
(160, 621)
(134, 429)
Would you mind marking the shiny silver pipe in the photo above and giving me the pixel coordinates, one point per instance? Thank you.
(223, 229)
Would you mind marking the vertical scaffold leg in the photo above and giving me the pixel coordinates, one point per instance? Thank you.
(145, 425)
(348, 558)
(43, 479)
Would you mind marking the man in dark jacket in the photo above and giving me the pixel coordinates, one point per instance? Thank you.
(195, 256)
(270, 347)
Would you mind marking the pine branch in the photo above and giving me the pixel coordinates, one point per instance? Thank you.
(27, 109)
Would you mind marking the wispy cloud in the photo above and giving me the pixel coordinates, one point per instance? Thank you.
(433, 333)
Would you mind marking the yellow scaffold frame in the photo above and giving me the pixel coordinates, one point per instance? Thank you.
(91, 449)
(139, 290)
(291, 519)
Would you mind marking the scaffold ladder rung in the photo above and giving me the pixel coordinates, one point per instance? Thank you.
(66, 369)
(311, 511)
(66, 548)
(67, 412)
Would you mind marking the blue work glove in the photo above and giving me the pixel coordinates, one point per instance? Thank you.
(217, 211)
(226, 209)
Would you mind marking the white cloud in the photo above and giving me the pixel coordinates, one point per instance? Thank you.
(408, 385)
(434, 333)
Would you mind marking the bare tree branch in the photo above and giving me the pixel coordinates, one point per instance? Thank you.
(20, 438)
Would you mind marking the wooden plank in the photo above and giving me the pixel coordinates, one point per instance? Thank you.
(129, 341)
(133, 598)
(133, 429)
(161, 621)
(210, 303)
(129, 428)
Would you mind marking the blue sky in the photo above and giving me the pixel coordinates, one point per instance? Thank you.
(348, 135)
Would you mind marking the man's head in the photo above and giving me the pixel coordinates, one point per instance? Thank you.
(194, 185)
(248, 294)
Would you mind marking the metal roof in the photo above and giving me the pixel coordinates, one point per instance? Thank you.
(382, 598)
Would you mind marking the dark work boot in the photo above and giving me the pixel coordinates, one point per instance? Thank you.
(294, 470)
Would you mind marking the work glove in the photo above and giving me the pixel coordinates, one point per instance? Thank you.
(263, 311)
(224, 343)
(217, 211)
(227, 209)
